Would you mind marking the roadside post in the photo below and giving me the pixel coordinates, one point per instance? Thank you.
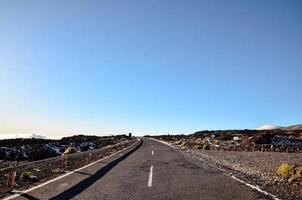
(65, 162)
(11, 176)
(88, 158)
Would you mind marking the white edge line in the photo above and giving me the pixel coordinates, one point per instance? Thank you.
(163, 142)
(150, 176)
(62, 176)
(255, 187)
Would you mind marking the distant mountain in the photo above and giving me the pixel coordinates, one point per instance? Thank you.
(268, 127)
(293, 128)
(17, 135)
(285, 128)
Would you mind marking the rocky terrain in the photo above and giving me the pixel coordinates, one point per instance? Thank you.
(258, 168)
(276, 140)
(271, 159)
(16, 176)
(33, 149)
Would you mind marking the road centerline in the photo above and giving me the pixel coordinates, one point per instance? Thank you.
(152, 152)
(150, 176)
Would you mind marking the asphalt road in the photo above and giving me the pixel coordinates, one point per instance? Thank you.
(149, 170)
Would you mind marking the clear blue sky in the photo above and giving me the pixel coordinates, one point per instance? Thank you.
(100, 67)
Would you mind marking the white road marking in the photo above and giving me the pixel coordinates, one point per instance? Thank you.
(150, 176)
(152, 152)
(163, 142)
(255, 187)
(64, 175)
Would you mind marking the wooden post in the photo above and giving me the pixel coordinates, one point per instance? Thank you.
(89, 157)
(11, 179)
(11, 176)
(65, 162)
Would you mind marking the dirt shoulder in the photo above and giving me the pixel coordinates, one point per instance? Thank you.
(255, 167)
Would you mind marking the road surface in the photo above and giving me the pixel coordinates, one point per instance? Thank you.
(149, 170)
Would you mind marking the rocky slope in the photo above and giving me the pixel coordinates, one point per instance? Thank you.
(276, 140)
(293, 128)
(37, 149)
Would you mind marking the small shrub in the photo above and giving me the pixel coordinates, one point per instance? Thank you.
(197, 147)
(183, 145)
(206, 146)
(216, 142)
(37, 169)
(285, 170)
(199, 141)
(25, 175)
(70, 150)
(290, 172)
(298, 172)
(28, 176)
(57, 171)
(178, 142)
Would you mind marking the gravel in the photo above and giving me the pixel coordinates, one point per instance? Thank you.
(258, 168)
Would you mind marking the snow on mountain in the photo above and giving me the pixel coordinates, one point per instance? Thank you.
(268, 127)
(37, 136)
(285, 128)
